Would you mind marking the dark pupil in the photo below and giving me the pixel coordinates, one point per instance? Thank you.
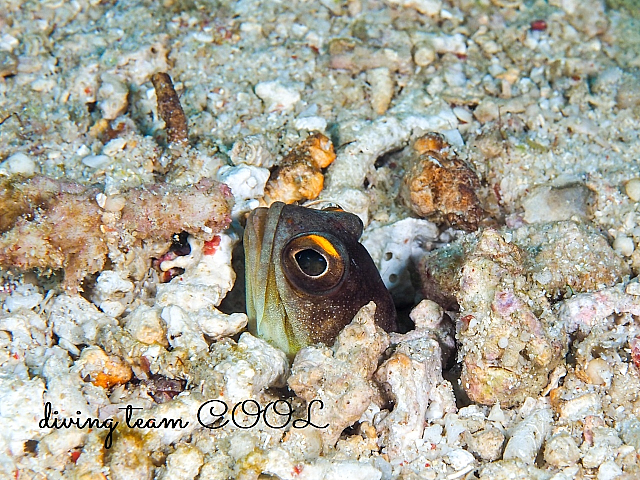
(311, 262)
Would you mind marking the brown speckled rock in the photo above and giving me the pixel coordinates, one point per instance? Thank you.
(509, 337)
(441, 187)
(299, 176)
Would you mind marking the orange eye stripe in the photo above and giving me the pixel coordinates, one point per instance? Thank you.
(324, 244)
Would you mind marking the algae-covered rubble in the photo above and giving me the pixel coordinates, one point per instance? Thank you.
(55, 225)
(101, 180)
(504, 285)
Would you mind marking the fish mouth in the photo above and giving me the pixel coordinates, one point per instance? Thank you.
(266, 311)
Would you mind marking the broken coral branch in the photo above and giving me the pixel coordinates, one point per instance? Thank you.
(170, 110)
(52, 224)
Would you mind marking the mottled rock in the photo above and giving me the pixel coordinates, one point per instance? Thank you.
(487, 444)
(557, 258)
(561, 450)
(507, 348)
(299, 176)
(441, 187)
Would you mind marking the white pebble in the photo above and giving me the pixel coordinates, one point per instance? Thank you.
(427, 314)
(24, 296)
(623, 245)
(561, 450)
(96, 161)
(114, 203)
(8, 42)
(246, 181)
(496, 414)
(20, 163)
(459, 459)
(101, 200)
(609, 470)
(463, 114)
(633, 189)
(453, 137)
(277, 96)
(427, 7)
(114, 146)
(424, 55)
(503, 342)
(456, 43)
(313, 124)
(381, 88)
(599, 372)
(633, 289)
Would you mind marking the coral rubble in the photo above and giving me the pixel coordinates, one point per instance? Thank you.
(52, 225)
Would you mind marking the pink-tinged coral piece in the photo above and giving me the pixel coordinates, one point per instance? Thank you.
(584, 311)
(53, 224)
(507, 351)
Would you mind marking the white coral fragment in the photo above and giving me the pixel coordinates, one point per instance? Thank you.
(112, 293)
(207, 281)
(24, 296)
(21, 407)
(145, 325)
(393, 247)
(253, 366)
(340, 376)
(183, 464)
(407, 379)
(528, 435)
(247, 183)
(196, 293)
(76, 321)
(382, 85)
(277, 96)
(413, 377)
(182, 330)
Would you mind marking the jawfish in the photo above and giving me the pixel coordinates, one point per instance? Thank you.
(307, 276)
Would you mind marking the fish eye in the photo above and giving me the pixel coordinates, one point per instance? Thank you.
(315, 263)
(311, 262)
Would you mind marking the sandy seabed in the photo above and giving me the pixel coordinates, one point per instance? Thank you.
(541, 99)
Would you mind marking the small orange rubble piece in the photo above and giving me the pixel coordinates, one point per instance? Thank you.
(299, 176)
(103, 370)
(115, 373)
(442, 187)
